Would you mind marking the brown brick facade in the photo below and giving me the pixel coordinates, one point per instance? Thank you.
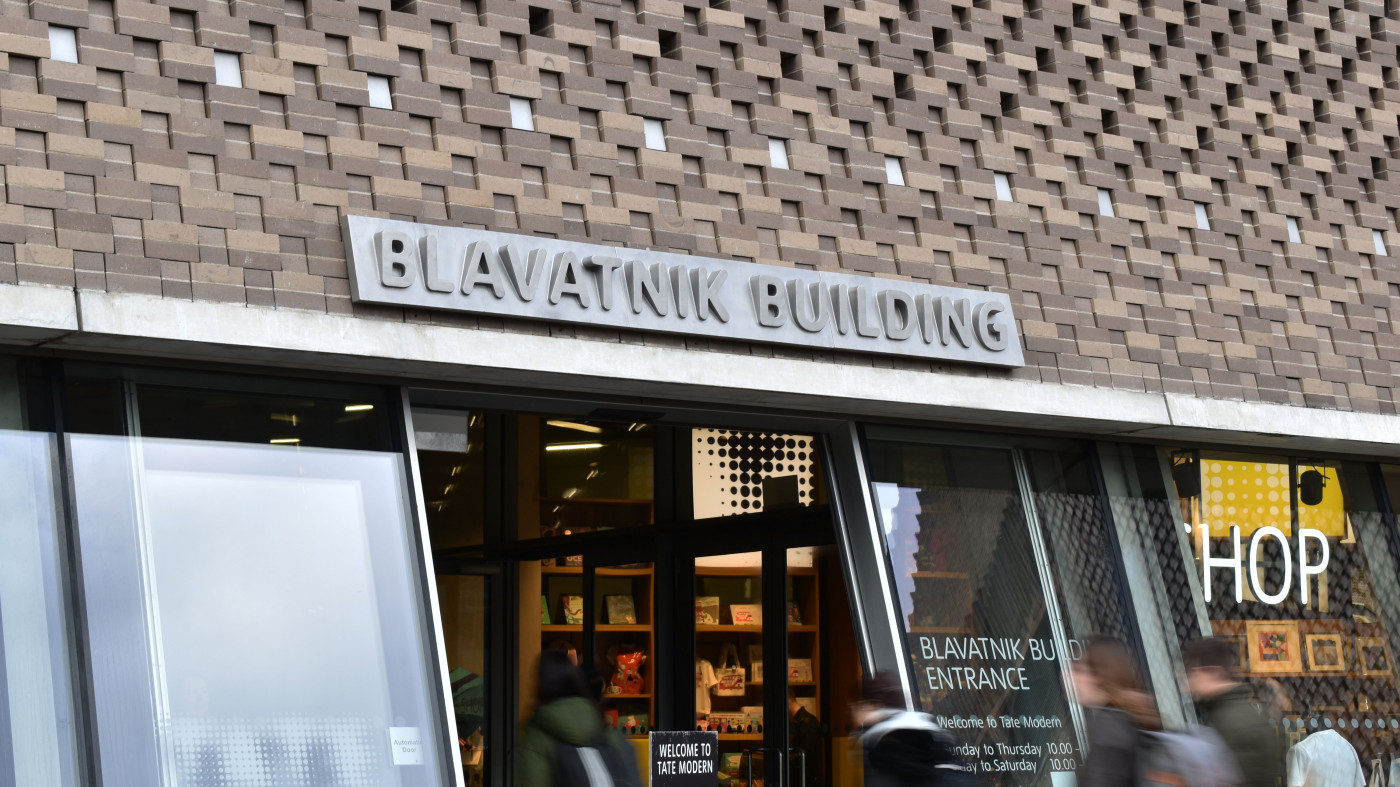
(131, 170)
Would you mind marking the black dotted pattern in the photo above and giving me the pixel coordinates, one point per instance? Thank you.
(732, 466)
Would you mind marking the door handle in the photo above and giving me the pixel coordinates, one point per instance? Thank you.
(748, 753)
(803, 760)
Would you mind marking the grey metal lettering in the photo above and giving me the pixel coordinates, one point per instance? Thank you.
(866, 324)
(811, 305)
(482, 266)
(707, 296)
(397, 268)
(952, 319)
(769, 300)
(604, 267)
(897, 314)
(432, 267)
(841, 305)
(989, 330)
(405, 264)
(527, 270)
(648, 284)
(684, 293)
(568, 280)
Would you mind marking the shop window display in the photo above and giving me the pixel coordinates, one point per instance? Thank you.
(1296, 567)
(1291, 561)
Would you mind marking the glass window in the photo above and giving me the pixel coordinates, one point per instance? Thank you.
(999, 564)
(591, 475)
(1290, 560)
(37, 726)
(276, 419)
(253, 615)
(452, 470)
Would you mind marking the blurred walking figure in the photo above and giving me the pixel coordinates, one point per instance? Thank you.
(566, 743)
(1229, 706)
(1117, 709)
(904, 748)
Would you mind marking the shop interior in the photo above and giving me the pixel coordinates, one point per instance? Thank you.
(673, 562)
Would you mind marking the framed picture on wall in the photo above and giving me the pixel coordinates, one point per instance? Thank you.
(1274, 646)
(1373, 656)
(1325, 653)
(1241, 653)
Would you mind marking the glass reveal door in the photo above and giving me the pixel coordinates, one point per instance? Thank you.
(776, 662)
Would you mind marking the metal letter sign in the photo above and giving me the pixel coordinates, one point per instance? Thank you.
(401, 263)
(683, 759)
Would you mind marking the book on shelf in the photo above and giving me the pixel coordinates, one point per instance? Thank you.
(707, 610)
(746, 614)
(573, 610)
(622, 610)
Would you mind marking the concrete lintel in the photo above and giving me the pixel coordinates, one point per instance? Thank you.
(307, 340)
(33, 314)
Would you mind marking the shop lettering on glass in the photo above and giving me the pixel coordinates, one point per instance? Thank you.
(1244, 562)
(407, 264)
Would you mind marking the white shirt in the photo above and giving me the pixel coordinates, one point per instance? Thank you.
(1324, 759)
(704, 680)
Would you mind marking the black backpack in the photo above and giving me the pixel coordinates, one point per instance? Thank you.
(607, 762)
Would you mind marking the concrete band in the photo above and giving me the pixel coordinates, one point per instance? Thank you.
(62, 318)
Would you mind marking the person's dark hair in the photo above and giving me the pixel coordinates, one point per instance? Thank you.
(1210, 652)
(884, 690)
(559, 678)
(1115, 670)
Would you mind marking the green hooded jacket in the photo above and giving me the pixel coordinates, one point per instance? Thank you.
(573, 720)
(1248, 733)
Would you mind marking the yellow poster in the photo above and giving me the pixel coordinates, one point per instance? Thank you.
(1252, 495)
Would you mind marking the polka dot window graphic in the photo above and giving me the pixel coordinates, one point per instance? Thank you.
(1251, 495)
(747, 472)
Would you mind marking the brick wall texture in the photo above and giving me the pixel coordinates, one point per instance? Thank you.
(1243, 148)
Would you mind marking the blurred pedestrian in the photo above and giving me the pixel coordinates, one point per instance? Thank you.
(1229, 706)
(1117, 708)
(903, 748)
(566, 743)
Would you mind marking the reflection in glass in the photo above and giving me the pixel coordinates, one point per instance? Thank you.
(253, 615)
(972, 595)
(465, 605)
(37, 744)
(591, 475)
(452, 471)
(1316, 663)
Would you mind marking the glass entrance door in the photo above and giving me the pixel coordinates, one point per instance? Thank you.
(776, 664)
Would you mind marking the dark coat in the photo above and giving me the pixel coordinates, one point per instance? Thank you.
(1248, 733)
(1113, 746)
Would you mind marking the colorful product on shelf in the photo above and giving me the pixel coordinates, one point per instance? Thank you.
(627, 674)
(800, 670)
(544, 611)
(707, 610)
(746, 614)
(729, 673)
(794, 613)
(573, 610)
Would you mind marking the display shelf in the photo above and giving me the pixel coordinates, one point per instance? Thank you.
(626, 697)
(741, 736)
(727, 628)
(561, 570)
(561, 627)
(617, 627)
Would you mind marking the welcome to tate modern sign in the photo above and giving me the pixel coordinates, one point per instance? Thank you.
(402, 263)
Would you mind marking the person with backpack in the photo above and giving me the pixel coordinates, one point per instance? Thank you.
(566, 743)
(1116, 710)
(1229, 707)
(904, 748)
